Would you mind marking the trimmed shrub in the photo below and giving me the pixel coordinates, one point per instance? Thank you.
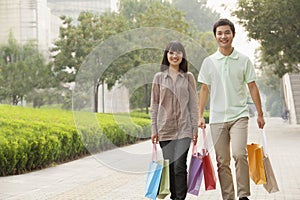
(35, 138)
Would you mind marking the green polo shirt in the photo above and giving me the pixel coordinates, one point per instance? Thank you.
(227, 78)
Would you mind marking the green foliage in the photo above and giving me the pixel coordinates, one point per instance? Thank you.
(274, 23)
(76, 42)
(22, 70)
(197, 14)
(206, 116)
(35, 138)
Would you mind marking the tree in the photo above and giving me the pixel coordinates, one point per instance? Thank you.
(197, 13)
(275, 24)
(77, 41)
(23, 69)
(146, 13)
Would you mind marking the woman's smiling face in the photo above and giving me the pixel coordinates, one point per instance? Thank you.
(175, 57)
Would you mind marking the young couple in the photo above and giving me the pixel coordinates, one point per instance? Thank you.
(176, 112)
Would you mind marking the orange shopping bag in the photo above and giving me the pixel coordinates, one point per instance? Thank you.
(256, 163)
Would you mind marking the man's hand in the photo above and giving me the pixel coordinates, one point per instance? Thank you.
(154, 138)
(260, 122)
(201, 122)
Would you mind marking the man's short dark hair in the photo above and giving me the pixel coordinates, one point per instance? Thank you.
(223, 22)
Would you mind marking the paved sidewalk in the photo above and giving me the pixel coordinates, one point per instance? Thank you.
(121, 173)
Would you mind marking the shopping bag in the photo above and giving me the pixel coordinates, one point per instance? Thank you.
(271, 185)
(256, 164)
(195, 173)
(164, 186)
(153, 176)
(208, 169)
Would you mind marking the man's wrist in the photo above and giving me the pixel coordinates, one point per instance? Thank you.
(261, 114)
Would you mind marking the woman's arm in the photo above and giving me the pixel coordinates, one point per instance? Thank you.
(155, 93)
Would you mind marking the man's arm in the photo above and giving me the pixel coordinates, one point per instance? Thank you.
(257, 102)
(203, 96)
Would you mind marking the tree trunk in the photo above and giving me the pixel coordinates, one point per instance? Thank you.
(96, 86)
(15, 100)
(146, 98)
(103, 96)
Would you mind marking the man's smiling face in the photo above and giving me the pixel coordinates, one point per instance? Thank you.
(224, 36)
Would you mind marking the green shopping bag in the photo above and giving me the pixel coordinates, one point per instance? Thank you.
(164, 187)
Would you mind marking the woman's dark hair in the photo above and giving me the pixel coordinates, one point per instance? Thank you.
(223, 22)
(176, 47)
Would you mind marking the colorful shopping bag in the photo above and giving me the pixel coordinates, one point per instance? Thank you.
(164, 186)
(208, 169)
(271, 185)
(195, 173)
(153, 176)
(256, 164)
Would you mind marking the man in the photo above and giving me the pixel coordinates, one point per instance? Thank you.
(226, 75)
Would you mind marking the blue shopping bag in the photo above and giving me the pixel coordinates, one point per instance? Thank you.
(153, 176)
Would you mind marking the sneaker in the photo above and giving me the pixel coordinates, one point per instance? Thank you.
(243, 198)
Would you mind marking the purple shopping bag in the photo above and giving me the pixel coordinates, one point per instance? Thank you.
(195, 173)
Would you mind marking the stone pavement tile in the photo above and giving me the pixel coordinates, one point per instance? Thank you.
(116, 186)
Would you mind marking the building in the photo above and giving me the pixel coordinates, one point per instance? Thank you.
(39, 19)
(27, 20)
(291, 89)
(72, 8)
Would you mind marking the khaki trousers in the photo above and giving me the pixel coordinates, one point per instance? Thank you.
(236, 133)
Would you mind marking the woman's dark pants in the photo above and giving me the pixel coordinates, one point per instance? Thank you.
(176, 152)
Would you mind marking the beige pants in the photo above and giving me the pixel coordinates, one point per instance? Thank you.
(235, 132)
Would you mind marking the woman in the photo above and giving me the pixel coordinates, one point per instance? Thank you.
(174, 114)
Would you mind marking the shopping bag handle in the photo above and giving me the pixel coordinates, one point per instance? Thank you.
(154, 153)
(264, 142)
(205, 145)
(194, 150)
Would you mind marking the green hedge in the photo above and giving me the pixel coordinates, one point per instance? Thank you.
(206, 116)
(34, 138)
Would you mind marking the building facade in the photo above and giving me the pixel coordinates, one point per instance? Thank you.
(72, 8)
(39, 19)
(27, 20)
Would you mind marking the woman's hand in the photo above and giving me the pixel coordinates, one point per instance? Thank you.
(154, 138)
(195, 138)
